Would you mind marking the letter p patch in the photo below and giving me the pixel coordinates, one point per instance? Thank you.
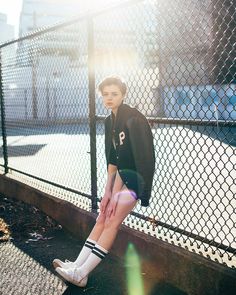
(122, 137)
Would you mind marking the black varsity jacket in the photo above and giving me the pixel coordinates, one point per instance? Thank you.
(134, 153)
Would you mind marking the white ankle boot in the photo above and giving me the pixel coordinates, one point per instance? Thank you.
(73, 275)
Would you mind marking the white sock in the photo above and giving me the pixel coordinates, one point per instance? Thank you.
(96, 256)
(84, 253)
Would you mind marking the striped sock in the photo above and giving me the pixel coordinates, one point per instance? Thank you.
(84, 253)
(95, 257)
(99, 251)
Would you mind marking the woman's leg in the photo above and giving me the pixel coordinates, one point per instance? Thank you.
(105, 230)
(77, 276)
(88, 245)
(98, 227)
(126, 203)
(91, 240)
(102, 220)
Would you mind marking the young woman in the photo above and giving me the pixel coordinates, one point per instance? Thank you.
(130, 167)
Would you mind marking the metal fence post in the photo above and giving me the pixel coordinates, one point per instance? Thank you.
(92, 113)
(3, 119)
(34, 86)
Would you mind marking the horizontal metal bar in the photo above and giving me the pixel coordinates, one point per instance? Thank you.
(50, 182)
(196, 122)
(186, 233)
(42, 31)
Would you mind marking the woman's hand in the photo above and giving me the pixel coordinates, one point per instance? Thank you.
(105, 200)
(111, 210)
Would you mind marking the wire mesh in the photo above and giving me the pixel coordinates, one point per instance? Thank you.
(166, 51)
(1, 157)
(1, 145)
(3, 153)
(179, 61)
(45, 86)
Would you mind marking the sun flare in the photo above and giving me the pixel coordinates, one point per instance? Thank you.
(96, 4)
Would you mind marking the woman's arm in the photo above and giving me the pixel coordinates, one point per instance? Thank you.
(118, 184)
(111, 175)
(117, 187)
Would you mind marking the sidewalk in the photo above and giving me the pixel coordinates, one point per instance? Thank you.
(35, 240)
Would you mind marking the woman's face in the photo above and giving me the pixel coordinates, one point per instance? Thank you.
(112, 97)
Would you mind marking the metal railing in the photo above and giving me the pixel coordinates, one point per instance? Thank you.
(178, 58)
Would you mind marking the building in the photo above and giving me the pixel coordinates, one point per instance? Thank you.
(197, 59)
(162, 48)
(55, 63)
(7, 31)
(36, 14)
(47, 65)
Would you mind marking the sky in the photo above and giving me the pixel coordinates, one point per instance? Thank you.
(12, 8)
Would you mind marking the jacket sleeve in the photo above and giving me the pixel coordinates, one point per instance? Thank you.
(141, 140)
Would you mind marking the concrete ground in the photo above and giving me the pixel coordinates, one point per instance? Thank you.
(30, 240)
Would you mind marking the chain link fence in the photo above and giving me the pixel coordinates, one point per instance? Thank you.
(179, 61)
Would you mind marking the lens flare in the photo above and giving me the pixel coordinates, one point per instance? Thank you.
(133, 272)
(93, 5)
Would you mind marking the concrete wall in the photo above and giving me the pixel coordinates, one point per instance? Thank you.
(191, 273)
